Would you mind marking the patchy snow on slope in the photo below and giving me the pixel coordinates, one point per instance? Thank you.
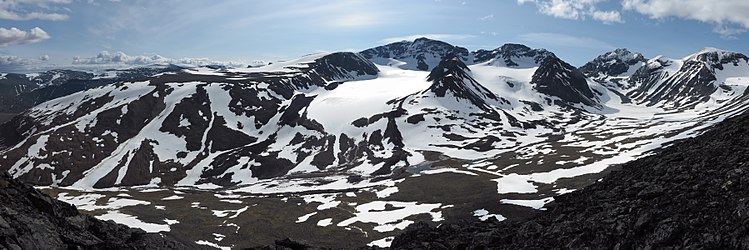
(484, 215)
(388, 220)
(132, 221)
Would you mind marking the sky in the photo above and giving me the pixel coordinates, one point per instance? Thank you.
(37, 35)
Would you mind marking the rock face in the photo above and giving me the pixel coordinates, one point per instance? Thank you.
(452, 77)
(691, 195)
(613, 63)
(679, 84)
(512, 55)
(557, 78)
(32, 220)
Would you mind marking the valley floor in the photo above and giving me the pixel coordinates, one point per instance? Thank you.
(348, 218)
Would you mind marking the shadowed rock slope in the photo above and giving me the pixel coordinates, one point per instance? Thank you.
(32, 220)
(691, 195)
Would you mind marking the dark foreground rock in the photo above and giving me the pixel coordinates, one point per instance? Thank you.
(691, 195)
(32, 220)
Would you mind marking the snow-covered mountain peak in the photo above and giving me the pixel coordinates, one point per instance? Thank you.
(512, 55)
(452, 77)
(336, 66)
(716, 58)
(420, 54)
(620, 62)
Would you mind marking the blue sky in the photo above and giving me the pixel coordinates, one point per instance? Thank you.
(41, 34)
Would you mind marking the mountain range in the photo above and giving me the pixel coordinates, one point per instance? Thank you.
(521, 119)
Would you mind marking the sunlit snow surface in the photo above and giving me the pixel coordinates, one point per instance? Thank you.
(525, 164)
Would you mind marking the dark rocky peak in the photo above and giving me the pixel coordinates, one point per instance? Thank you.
(344, 66)
(421, 54)
(716, 58)
(558, 78)
(613, 63)
(452, 77)
(652, 68)
(512, 55)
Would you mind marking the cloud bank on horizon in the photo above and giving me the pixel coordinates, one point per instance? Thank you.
(45, 34)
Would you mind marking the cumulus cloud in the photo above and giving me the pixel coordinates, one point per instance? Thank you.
(430, 36)
(730, 17)
(575, 9)
(120, 59)
(14, 36)
(21, 10)
(20, 64)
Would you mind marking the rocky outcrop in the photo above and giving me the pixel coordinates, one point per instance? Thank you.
(512, 55)
(558, 78)
(691, 195)
(613, 63)
(30, 219)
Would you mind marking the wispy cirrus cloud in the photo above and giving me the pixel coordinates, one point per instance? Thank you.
(564, 40)
(452, 37)
(22, 10)
(15, 36)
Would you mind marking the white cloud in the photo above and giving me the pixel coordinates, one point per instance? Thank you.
(120, 59)
(487, 17)
(563, 40)
(21, 65)
(607, 17)
(14, 36)
(721, 13)
(575, 9)
(21, 10)
(44, 58)
(430, 36)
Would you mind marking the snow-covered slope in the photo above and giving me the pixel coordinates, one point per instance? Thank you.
(620, 62)
(420, 54)
(19, 92)
(709, 75)
(512, 55)
(335, 121)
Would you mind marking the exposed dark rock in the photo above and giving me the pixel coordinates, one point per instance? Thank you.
(613, 63)
(691, 195)
(425, 52)
(452, 76)
(19, 92)
(32, 220)
(555, 77)
(510, 53)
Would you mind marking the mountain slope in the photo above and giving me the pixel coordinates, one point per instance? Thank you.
(421, 54)
(32, 220)
(691, 195)
(511, 55)
(677, 84)
(615, 63)
(23, 91)
(339, 114)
